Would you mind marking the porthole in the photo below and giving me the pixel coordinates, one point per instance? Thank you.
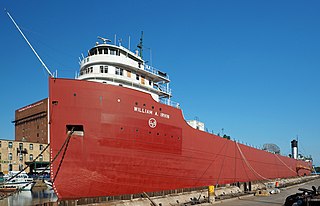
(121, 128)
(137, 130)
(171, 136)
(149, 132)
(144, 105)
(158, 133)
(136, 103)
(152, 107)
(160, 109)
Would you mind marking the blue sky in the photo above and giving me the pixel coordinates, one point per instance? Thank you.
(250, 67)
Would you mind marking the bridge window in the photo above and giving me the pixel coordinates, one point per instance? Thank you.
(105, 51)
(112, 52)
(137, 77)
(119, 71)
(104, 69)
(128, 74)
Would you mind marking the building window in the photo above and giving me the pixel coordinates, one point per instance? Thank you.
(40, 158)
(31, 146)
(31, 157)
(0, 158)
(10, 144)
(20, 167)
(37, 134)
(41, 147)
(10, 156)
(20, 146)
(10, 167)
(0, 143)
(20, 157)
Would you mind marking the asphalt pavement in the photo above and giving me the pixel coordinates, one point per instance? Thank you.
(272, 200)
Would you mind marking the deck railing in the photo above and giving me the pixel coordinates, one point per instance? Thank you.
(153, 70)
(170, 102)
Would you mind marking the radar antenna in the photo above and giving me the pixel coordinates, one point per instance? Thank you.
(105, 40)
(25, 38)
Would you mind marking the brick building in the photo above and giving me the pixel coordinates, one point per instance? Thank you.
(15, 155)
(31, 123)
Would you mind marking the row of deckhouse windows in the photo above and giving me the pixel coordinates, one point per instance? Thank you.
(118, 71)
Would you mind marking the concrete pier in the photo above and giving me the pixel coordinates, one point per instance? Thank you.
(203, 197)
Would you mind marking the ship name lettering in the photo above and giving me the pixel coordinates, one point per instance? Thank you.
(165, 115)
(150, 112)
(142, 110)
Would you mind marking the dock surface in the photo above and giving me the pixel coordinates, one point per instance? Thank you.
(272, 200)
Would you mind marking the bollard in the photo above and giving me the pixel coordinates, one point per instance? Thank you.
(211, 195)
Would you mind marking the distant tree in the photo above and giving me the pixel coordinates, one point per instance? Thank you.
(226, 136)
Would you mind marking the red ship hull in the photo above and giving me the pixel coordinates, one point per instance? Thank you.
(133, 144)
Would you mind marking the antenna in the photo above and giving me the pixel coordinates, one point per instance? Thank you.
(105, 40)
(129, 43)
(25, 38)
(140, 45)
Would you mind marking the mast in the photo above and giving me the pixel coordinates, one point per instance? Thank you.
(140, 45)
(25, 38)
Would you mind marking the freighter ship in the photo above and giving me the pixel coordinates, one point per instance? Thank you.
(126, 136)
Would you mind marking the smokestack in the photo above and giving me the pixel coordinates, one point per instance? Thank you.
(294, 147)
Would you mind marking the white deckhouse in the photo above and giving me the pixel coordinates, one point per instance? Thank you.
(116, 65)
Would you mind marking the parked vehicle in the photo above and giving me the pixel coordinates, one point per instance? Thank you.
(305, 198)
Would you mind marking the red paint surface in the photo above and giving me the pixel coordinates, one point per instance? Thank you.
(121, 154)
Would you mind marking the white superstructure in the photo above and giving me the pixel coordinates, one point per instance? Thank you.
(116, 65)
(196, 124)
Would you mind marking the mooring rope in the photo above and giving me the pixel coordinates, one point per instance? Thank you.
(64, 152)
(250, 167)
(66, 142)
(285, 164)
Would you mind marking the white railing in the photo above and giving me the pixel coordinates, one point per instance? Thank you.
(170, 103)
(153, 70)
(163, 88)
